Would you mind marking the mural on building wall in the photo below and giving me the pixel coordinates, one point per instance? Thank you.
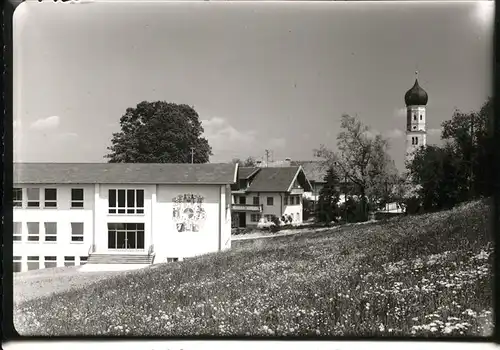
(188, 212)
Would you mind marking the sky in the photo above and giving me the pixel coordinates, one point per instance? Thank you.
(274, 76)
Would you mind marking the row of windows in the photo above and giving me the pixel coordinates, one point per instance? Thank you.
(289, 200)
(34, 197)
(49, 229)
(414, 140)
(120, 201)
(37, 262)
(415, 117)
(292, 200)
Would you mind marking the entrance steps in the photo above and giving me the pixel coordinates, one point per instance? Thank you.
(132, 259)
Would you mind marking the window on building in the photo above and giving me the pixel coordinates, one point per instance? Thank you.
(33, 195)
(270, 201)
(254, 217)
(69, 261)
(83, 260)
(17, 229)
(33, 231)
(256, 200)
(420, 116)
(77, 198)
(17, 197)
(268, 217)
(126, 236)
(33, 263)
(77, 232)
(126, 201)
(286, 200)
(17, 264)
(414, 117)
(172, 259)
(50, 231)
(243, 200)
(50, 261)
(416, 140)
(50, 198)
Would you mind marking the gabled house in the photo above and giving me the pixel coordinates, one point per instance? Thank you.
(315, 172)
(264, 192)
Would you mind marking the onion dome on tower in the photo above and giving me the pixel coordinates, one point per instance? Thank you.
(416, 96)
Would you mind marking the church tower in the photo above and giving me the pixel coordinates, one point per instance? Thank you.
(416, 133)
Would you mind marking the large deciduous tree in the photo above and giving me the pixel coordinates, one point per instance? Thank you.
(469, 134)
(159, 132)
(362, 159)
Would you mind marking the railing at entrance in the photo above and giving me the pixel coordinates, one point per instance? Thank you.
(247, 207)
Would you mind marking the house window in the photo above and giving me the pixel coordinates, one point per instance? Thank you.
(286, 200)
(256, 201)
(33, 231)
(268, 217)
(17, 264)
(50, 231)
(77, 198)
(126, 236)
(50, 261)
(50, 198)
(254, 217)
(33, 195)
(33, 263)
(83, 260)
(77, 232)
(420, 116)
(17, 229)
(126, 201)
(17, 197)
(270, 201)
(243, 200)
(69, 261)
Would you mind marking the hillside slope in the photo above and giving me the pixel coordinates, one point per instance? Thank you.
(424, 275)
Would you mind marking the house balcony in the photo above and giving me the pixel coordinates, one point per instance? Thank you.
(297, 191)
(257, 208)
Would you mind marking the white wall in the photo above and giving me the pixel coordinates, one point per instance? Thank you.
(63, 215)
(168, 242)
(159, 226)
(102, 217)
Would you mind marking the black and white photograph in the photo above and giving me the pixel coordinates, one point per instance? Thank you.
(253, 169)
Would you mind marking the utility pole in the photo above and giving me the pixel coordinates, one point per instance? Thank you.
(192, 155)
(471, 166)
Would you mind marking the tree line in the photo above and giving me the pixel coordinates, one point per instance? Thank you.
(360, 168)
(438, 177)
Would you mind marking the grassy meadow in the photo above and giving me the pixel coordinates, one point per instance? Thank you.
(427, 275)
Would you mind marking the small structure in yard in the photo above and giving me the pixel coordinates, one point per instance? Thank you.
(68, 214)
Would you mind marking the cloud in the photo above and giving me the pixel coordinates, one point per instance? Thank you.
(46, 123)
(277, 143)
(225, 139)
(400, 113)
(395, 133)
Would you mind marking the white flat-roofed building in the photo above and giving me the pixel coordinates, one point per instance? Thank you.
(69, 214)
